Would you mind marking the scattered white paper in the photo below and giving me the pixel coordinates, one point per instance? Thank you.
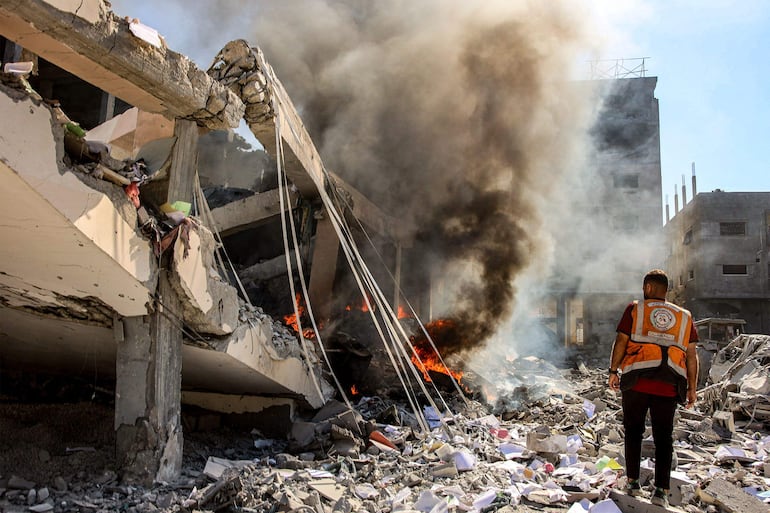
(578, 507)
(427, 501)
(485, 499)
(366, 491)
(605, 506)
(511, 451)
(464, 460)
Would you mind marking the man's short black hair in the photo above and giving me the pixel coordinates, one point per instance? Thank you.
(656, 276)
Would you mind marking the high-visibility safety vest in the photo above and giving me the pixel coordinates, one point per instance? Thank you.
(658, 328)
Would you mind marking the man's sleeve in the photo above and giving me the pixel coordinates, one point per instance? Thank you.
(693, 333)
(626, 322)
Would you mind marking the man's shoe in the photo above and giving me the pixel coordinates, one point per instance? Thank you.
(633, 488)
(660, 497)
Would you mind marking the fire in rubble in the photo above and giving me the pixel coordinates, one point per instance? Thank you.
(439, 330)
(292, 322)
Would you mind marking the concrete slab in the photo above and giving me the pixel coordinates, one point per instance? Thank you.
(628, 504)
(247, 212)
(730, 498)
(99, 47)
(69, 240)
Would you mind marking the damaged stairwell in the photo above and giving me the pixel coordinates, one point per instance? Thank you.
(78, 254)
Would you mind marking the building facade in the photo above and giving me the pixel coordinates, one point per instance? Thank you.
(615, 220)
(718, 247)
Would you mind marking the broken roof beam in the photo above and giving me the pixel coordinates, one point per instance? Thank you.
(244, 213)
(85, 38)
(268, 108)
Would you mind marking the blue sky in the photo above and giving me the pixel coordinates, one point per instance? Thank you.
(713, 86)
(710, 57)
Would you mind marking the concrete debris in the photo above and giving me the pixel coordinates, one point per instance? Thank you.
(739, 382)
(555, 455)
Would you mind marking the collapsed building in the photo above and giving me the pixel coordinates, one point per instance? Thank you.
(116, 262)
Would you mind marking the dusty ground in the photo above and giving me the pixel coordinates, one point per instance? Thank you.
(39, 442)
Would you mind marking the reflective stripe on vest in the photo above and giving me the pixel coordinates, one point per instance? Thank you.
(657, 324)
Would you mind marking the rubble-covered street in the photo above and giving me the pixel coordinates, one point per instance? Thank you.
(561, 451)
(369, 259)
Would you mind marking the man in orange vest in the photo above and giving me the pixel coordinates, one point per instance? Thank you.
(655, 364)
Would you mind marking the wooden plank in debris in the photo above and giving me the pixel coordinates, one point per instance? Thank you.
(730, 498)
(94, 44)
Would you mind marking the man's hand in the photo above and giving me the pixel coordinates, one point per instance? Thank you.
(614, 382)
(692, 396)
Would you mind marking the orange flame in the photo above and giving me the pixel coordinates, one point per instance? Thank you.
(428, 359)
(402, 313)
(363, 307)
(354, 390)
(291, 319)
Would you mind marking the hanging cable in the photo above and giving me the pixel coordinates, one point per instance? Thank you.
(408, 303)
(303, 342)
(283, 192)
(364, 279)
(209, 217)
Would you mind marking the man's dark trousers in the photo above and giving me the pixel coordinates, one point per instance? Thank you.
(662, 409)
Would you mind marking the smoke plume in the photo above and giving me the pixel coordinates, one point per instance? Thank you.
(455, 117)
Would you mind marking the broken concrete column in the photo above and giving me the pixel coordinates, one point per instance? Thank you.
(184, 162)
(325, 250)
(148, 393)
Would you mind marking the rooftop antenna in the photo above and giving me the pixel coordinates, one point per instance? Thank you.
(618, 68)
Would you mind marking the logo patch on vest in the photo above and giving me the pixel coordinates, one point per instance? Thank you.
(662, 319)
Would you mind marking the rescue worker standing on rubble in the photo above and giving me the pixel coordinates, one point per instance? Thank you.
(655, 365)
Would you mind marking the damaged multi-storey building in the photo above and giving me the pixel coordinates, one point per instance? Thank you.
(718, 258)
(617, 212)
(123, 240)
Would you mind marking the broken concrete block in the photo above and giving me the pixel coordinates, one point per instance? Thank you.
(43, 494)
(447, 469)
(725, 419)
(215, 467)
(328, 488)
(18, 483)
(629, 504)
(730, 498)
(540, 442)
(330, 409)
(445, 452)
(303, 433)
(349, 419)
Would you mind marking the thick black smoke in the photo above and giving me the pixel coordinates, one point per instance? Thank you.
(454, 116)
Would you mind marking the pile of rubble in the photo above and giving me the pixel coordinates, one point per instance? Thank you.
(739, 379)
(561, 451)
